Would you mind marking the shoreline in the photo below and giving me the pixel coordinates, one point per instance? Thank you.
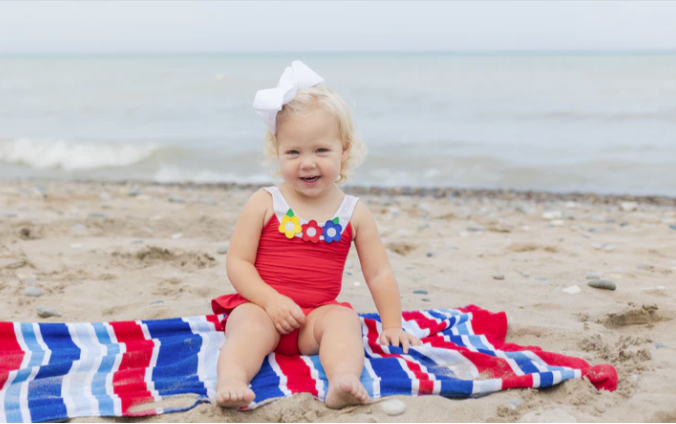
(508, 194)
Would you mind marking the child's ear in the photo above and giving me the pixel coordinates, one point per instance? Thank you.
(345, 154)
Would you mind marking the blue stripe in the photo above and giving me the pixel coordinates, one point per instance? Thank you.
(320, 371)
(394, 380)
(106, 404)
(455, 387)
(177, 361)
(266, 383)
(44, 392)
(525, 363)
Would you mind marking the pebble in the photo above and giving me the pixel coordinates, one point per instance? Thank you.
(222, 250)
(177, 236)
(136, 241)
(474, 227)
(673, 227)
(356, 284)
(498, 277)
(623, 224)
(572, 289)
(349, 264)
(608, 247)
(526, 210)
(602, 284)
(660, 346)
(104, 196)
(429, 254)
(79, 227)
(548, 416)
(393, 407)
(552, 215)
(628, 206)
(525, 273)
(176, 199)
(76, 245)
(157, 302)
(133, 193)
(597, 218)
(425, 299)
(96, 215)
(9, 214)
(594, 275)
(557, 222)
(541, 278)
(32, 291)
(47, 311)
(419, 291)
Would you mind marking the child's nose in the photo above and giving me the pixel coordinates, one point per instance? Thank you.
(308, 162)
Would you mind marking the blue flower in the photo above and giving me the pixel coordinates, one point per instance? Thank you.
(332, 231)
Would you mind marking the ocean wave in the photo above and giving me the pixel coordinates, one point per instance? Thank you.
(175, 174)
(72, 156)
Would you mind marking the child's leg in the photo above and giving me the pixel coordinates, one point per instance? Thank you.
(335, 332)
(250, 336)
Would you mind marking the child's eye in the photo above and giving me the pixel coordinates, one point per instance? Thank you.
(322, 150)
(292, 152)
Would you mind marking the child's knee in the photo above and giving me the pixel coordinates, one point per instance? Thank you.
(250, 319)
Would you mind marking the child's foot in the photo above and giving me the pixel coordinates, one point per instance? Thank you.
(233, 394)
(346, 390)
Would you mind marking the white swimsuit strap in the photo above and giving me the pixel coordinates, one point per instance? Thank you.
(346, 209)
(279, 204)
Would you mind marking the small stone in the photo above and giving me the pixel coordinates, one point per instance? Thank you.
(47, 311)
(176, 199)
(498, 277)
(429, 254)
(9, 214)
(133, 193)
(602, 284)
(600, 218)
(32, 291)
(541, 278)
(524, 273)
(513, 404)
(222, 250)
(610, 221)
(660, 346)
(419, 291)
(628, 206)
(673, 227)
(177, 236)
(96, 215)
(597, 246)
(552, 215)
(623, 224)
(157, 302)
(136, 241)
(393, 407)
(79, 227)
(608, 247)
(104, 196)
(557, 223)
(474, 227)
(349, 264)
(356, 284)
(572, 289)
(77, 245)
(594, 275)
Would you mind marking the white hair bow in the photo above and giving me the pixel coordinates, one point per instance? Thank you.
(295, 77)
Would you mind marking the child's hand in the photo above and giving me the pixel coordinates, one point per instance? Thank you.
(285, 314)
(396, 336)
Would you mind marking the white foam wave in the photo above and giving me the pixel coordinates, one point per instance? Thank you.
(173, 174)
(72, 156)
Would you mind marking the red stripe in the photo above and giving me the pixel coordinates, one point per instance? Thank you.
(216, 322)
(298, 374)
(129, 380)
(11, 354)
(425, 323)
(372, 336)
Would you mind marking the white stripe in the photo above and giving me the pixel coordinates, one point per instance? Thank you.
(374, 377)
(282, 378)
(499, 353)
(66, 395)
(437, 387)
(207, 357)
(98, 351)
(117, 402)
(23, 401)
(487, 386)
(536, 380)
(148, 375)
(319, 383)
(556, 377)
(456, 362)
(536, 360)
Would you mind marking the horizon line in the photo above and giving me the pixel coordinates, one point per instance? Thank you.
(347, 52)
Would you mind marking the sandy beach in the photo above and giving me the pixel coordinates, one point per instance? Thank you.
(120, 251)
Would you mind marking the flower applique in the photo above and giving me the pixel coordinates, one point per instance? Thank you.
(290, 225)
(311, 231)
(332, 231)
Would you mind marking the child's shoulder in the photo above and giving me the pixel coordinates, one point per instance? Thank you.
(259, 205)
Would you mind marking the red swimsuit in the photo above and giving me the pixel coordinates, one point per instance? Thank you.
(300, 259)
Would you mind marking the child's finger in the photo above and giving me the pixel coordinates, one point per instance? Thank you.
(299, 316)
(404, 343)
(292, 321)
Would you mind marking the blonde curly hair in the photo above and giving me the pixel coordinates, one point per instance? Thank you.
(326, 98)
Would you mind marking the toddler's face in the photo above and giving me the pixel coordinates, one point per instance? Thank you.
(310, 152)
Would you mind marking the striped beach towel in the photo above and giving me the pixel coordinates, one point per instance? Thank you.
(55, 371)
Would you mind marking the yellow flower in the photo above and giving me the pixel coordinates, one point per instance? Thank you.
(290, 226)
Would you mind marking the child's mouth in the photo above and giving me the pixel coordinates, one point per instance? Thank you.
(310, 179)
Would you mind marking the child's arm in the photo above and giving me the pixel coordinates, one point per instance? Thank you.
(240, 265)
(380, 279)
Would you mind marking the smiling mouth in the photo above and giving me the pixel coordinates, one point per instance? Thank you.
(310, 179)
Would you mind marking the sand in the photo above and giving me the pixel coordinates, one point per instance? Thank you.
(106, 251)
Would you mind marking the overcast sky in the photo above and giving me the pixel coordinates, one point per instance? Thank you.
(56, 27)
